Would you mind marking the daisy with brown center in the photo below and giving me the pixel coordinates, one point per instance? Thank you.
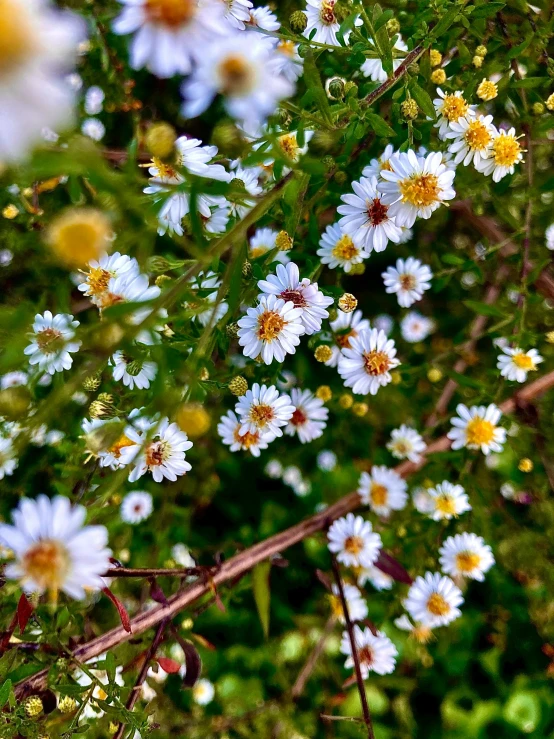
(366, 218)
(514, 364)
(101, 272)
(321, 16)
(104, 440)
(416, 186)
(159, 450)
(309, 419)
(506, 153)
(170, 35)
(451, 108)
(383, 490)
(54, 550)
(472, 139)
(337, 249)
(345, 327)
(52, 342)
(353, 541)
(466, 555)
(408, 279)
(355, 603)
(433, 600)
(271, 330)
(477, 428)
(229, 430)
(376, 652)
(262, 409)
(136, 506)
(447, 501)
(365, 365)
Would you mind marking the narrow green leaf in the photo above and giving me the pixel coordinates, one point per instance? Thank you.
(452, 259)
(379, 125)
(445, 22)
(383, 18)
(5, 691)
(487, 10)
(294, 196)
(423, 99)
(530, 82)
(314, 84)
(517, 50)
(262, 594)
(484, 309)
(465, 381)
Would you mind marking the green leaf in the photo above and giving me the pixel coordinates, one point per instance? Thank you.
(423, 99)
(109, 666)
(5, 691)
(379, 125)
(530, 82)
(484, 309)
(465, 381)
(382, 41)
(488, 10)
(62, 619)
(347, 25)
(452, 259)
(262, 594)
(517, 50)
(445, 22)
(383, 18)
(314, 84)
(294, 195)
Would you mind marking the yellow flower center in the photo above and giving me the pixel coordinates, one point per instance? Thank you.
(165, 171)
(336, 606)
(120, 444)
(445, 505)
(270, 325)
(343, 340)
(97, 280)
(437, 605)
(466, 562)
(170, 13)
(247, 440)
(386, 165)
(49, 341)
(524, 362)
(17, 37)
(353, 545)
(79, 235)
(454, 107)
(289, 145)
(236, 75)
(408, 282)
(286, 47)
(378, 494)
(422, 634)
(327, 13)
(479, 431)
(345, 248)
(261, 414)
(365, 655)
(506, 150)
(157, 453)
(376, 363)
(402, 447)
(477, 136)
(46, 563)
(420, 190)
(487, 90)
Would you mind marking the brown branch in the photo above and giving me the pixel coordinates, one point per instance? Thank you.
(354, 647)
(157, 571)
(306, 671)
(401, 70)
(249, 558)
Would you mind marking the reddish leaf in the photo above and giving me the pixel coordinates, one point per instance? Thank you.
(24, 611)
(193, 663)
(324, 579)
(157, 593)
(168, 665)
(204, 642)
(392, 567)
(123, 615)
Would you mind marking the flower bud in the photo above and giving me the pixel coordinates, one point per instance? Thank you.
(435, 57)
(283, 241)
(324, 393)
(477, 61)
(160, 139)
(409, 109)
(33, 706)
(525, 465)
(14, 402)
(67, 704)
(481, 50)
(393, 26)
(10, 212)
(360, 409)
(550, 102)
(246, 269)
(92, 383)
(538, 108)
(238, 386)
(438, 77)
(346, 401)
(103, 407)
(298, 21)
(347, 303)
(193, 419)
(335, 88)
(323, 353)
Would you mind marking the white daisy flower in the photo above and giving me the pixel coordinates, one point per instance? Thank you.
(472, 139)
(196, 158)
(414, 327)
(376, 166)
(549, 237)
(38, 43)
(272, 329)
(53, 549)
(133, 288)
(422, 501)
(169, 36)
(376, 652)
(309, 418)
(8, 461)
(263, 18)
(203, 692)
(263, 241)
(383, 490)
(450, 107)
(229, 427)
(477, 428)
(249, 179)
(337, 249)
(305, 295)
(163, 456)
(102, 271)
(506, 153)
(321, 16)
(433, 600)
(354, 542)
(345, 327)
(96, 675)
(365, 365)
(53, 342)
(212, 313)
(13, 379)
(355, 603)
(422, 634)
(237, 12)
(93, 128)
(366, 218)
(133, 372)
(408, 279)
(263, 409)
(373, 68)
(326, 460)
(416, 186)
(447, 501)
(244, 73)
(514, 364)
(379, 579)
(288, 61)
(406, 443)
(136, 506)
(466, 555)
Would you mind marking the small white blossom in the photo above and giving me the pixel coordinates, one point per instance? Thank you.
(406, 443)
(337, 249)
(408, 279)
(53, 342)
(262, 409)
(366, 218)
(383, 490)
(415, 327)
(136, 506)
(271, 330)
(376, 652)
(449, 501)
(514, 364)
(365, 365)
(309, 418)
(354, 542)
(466, 555)
(477, 428)
(229, 429)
